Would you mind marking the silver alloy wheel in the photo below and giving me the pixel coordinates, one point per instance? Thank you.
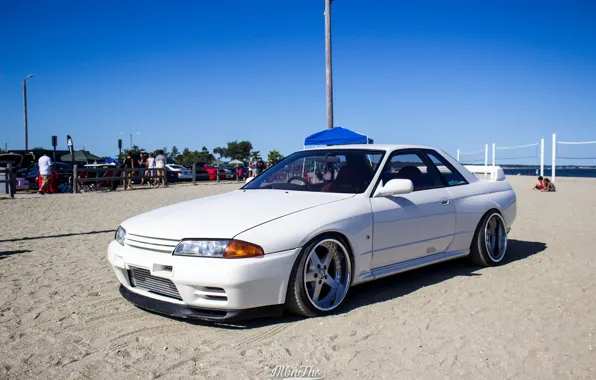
(495, 237)
(327, 274)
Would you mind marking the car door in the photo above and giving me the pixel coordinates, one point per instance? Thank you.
(414, 225)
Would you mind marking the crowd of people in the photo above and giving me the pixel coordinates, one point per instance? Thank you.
(544, 185)
(156, 167)
(257, 166)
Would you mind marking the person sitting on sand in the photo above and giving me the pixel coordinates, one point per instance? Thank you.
(539, 185)
(549, 186)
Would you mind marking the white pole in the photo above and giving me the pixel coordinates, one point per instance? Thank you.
(458, 155)
(542, 157)
(494, 153)
(485, 158)
(554, 164)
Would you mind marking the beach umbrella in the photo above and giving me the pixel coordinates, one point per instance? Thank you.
(218, 163)
(236, 162)
(80, 156)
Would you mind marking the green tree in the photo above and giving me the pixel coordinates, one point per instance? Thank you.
(174, 153)
(255, 154)
(274, 157)
(221, 152)
(235, 150)
(188, 157)
(134, 152)
(205, 155)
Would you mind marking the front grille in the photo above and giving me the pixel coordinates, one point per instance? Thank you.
(142, 278)
(151, 244)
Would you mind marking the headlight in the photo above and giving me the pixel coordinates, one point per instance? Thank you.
(120, 235)
(228, 249)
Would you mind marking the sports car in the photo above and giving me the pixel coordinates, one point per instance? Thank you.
(301, 234)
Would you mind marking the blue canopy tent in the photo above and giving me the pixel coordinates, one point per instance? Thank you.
(336, 136)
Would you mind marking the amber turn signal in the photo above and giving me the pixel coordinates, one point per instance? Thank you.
(240, 249)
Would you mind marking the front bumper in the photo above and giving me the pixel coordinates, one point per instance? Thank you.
(209, 288)
(213, 315)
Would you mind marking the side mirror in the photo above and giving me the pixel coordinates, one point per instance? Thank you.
(395, 187)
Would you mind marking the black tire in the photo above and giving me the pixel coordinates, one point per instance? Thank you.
(297, 300)
(479, 252)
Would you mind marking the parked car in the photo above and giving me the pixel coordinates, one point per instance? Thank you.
(300, 246)
(63, 172)
(212, 170)
(183, 174)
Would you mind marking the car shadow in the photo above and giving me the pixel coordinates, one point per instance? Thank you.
(395, 286)
(58, 236)
(5, 254)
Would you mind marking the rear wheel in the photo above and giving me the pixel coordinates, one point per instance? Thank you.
(320, 278)
(490, 241)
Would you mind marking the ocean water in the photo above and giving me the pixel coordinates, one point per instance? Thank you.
(560, 172)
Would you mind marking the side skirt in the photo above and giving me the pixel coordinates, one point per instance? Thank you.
(411, 264)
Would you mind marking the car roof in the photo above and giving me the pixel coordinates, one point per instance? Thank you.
(385, 147)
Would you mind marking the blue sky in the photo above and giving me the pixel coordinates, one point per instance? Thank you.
(452, 74)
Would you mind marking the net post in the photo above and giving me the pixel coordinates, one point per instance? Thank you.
(554, 158)
(75, 175)
(485, 159)
(494, 153)
(194, 174)
(458, 155)
(542, 157)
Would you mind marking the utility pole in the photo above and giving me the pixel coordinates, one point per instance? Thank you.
(328, 68)
(25, 110)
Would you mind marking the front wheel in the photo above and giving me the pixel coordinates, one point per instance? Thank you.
(490, 241)
(320, 278)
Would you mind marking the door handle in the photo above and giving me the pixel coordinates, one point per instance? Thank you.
(444, 201)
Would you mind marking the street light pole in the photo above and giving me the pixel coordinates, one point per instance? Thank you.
(25, 110)
(328, 67)
(130, 137)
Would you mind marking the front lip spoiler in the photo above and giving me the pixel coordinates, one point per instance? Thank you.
(205, 314)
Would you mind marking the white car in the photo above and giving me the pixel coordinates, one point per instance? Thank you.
(182, 172)
(281, 242)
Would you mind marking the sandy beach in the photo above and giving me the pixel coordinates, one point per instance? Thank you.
(534, 317)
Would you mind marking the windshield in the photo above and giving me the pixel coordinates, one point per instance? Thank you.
(322, 170)
(174, 166)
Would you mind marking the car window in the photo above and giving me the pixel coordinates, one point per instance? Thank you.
(322, 170)
(410, 165)
(451, 176)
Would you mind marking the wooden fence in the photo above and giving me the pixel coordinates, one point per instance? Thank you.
(10, 179)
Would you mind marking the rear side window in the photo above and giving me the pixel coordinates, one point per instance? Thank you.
(448, 172)
(410, 165)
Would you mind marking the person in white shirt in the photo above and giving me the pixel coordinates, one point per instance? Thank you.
(160, 164)
(151, 166)
(45, 170)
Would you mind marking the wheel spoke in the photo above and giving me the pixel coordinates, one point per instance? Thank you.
(317, 292)
(315, 259)
(310, 277)
(327, 259)
(331, 282)
(497, 245)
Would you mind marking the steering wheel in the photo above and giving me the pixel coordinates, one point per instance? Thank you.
(305, 182)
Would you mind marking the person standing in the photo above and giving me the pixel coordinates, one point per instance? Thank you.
(45, 170)
(129, 163)
(160, 164)
(151, 167)
(251, 164)
(260, 166)
(142, 166)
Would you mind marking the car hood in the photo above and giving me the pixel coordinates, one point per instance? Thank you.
(226, 215)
